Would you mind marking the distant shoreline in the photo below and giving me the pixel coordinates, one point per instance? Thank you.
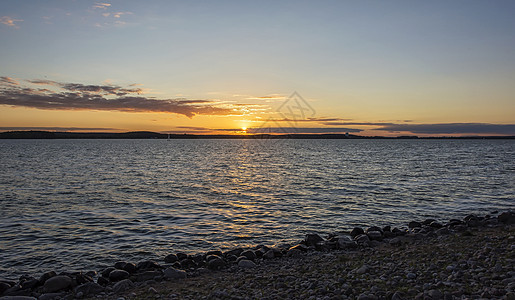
(156, 135)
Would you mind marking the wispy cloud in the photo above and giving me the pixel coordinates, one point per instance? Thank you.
(94, 89)
(8, 80)
(57, 129)
(100, 5)
(76, 96)
(9, 21)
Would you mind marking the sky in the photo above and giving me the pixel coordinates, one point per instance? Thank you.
(389, 68)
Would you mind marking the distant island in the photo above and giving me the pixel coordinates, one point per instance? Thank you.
(156, 135)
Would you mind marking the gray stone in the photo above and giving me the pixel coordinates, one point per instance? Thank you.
(215, 263)
(17, 298)
(312, 239)
(89, 288)
(294, 252)
(249, 254)
(398, 296)
(435, 294)
(50, 296)
(172, 273)
(122, 286)
(57, 283)
(411, 276)
(367, 297)
(117, 275)
(443, 231)
(344, 242)
(246, 264)
(362, 239)
(375, 235)
(148, 275)
(171, 258)
(356, 231)
(414, 224)
(396, 241)
(269, 254)
(507, 217)
(363, 269)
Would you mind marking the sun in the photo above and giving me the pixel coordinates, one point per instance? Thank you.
(244, 129)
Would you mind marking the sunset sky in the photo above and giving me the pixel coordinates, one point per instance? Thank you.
(363, 67)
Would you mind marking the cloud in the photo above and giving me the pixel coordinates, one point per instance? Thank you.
(451, 128)
(357, 123)
(6, 20)
(8, 80)
(298, 130)
(101, 5)
(76, 96)
(56, 129)
(95, 89)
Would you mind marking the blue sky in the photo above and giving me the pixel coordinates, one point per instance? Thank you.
(429, 62)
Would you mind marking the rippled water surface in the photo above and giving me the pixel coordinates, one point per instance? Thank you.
(82, 204)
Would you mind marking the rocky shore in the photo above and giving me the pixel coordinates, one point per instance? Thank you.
(472, 258)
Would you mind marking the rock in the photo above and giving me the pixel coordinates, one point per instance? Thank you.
(174, 274)
(215, 252)
(57, 283)
(152, 290)
(362, 270)
(17, 298)
(106, 271)
(367, 297)
(46, 276)
(89, 288)
(398, 296)
(130, 267)
(236, 252)
(103, 281)
(148, 265)
(148, 275)
(396, 241)
(294, 252)
(442, 231)
(375, 235)
(507, 217)
(171, 258)
(83, 278)
(436, 225)
(119, 265)
(246, 264)
(374, 228)
(50, 296)
(117, 275)
(312, 239)
(188, 263)
(411, 276)
(181, 256)
(435, 294)
(122, 286)
(344, 242)
(4, 287)
(215, 263)
(249, 254)
(269, 254)
(356, 231)
(30, 284)
(414, 224)
(362, 239)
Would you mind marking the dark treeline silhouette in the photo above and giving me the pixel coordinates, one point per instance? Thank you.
(155, 135)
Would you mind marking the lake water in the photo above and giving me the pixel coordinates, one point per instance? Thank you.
(83, 204)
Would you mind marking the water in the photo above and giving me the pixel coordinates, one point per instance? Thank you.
(84, 204)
